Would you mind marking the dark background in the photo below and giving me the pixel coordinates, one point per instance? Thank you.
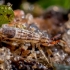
(43, 3)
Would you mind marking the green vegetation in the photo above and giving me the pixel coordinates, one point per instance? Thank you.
(47, 3)
(6, 14)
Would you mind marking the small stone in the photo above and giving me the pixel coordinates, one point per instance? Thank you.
(66, 37)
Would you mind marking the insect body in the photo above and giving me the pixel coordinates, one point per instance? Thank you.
(27, 36)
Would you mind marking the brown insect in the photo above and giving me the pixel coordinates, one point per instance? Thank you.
(21, 35)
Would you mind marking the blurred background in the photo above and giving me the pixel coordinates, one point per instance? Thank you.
(37, 7)
(43, 3)
(53, 14)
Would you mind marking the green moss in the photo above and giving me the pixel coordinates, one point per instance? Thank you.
(6, 14)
